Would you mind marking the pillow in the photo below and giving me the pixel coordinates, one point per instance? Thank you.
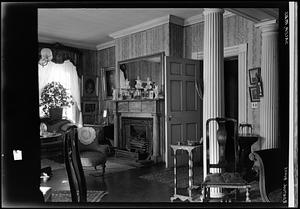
(86, 135)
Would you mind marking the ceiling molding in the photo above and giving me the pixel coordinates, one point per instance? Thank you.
(245, 15)
(45, 39)
(200, 18)
(265, 23)
(105, 45)
(147, 25)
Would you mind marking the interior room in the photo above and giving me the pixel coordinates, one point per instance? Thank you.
(163, 105)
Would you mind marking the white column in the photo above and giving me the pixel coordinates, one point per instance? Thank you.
(213, 77)
(269, 73)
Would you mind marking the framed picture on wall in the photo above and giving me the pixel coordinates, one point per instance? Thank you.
(108, 82)
(254, 75)
(90, 86)
(254, 94)
(90, 107)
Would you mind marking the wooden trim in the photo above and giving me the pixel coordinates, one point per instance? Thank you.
(147, 25)
(240, 51)
(105, 45)
(200, 18)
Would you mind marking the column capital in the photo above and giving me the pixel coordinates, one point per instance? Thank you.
(268, 26)
(213, 10)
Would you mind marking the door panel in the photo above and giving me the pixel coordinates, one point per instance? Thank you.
(183, 107)
(176, 95)
(191, 97)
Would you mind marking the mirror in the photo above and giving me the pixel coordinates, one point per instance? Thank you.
(137, 73)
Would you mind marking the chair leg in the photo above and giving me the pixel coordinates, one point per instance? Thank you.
(103, 167)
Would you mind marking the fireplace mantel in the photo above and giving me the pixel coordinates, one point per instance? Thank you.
(142, 108)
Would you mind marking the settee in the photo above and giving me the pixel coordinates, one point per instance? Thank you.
(269, 166)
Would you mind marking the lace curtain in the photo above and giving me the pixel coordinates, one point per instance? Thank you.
(66, 74)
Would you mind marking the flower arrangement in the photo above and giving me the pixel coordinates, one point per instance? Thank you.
(55, 95)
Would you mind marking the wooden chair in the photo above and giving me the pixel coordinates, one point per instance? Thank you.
(228, 178)
(73, 165)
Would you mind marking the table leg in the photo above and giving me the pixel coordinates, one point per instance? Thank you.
(190, 172)
(247, 195)
(175, 174)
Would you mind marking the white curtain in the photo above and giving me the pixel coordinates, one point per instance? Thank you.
(66, 74)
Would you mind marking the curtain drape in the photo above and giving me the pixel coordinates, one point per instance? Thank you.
(66, 74)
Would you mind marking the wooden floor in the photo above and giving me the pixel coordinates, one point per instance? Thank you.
(122, 187)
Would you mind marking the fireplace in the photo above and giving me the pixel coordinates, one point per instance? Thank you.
(137, 136)
(137, 131)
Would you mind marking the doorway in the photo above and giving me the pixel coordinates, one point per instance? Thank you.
(231, 99)
(231, 87)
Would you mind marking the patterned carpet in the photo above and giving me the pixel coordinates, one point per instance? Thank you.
(65, 196)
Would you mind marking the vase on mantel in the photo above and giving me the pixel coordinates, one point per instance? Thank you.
(55, 113)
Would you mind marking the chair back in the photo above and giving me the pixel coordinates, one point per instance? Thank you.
(227, 139)
(73, 165)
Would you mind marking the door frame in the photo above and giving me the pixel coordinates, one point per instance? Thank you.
(242, 53)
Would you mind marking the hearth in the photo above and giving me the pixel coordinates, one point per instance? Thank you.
(137, 137)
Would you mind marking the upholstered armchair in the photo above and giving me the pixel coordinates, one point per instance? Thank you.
(92, 154)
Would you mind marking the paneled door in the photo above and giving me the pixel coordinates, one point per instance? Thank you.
(183, 106)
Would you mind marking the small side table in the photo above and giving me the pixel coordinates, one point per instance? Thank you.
(189, 149)
(245, 141)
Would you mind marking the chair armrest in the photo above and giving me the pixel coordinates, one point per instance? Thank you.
(268, 164)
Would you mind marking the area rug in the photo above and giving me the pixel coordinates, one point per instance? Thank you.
(112, 166)
(166, 176)
(65, 196)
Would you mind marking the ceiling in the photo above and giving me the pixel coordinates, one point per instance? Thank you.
(87, 28)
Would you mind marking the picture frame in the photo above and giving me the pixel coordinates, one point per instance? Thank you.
(108, 83)
(254, 94)
(90, 107)
(90, 86)
(254, 75)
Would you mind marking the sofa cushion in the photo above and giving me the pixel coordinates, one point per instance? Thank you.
(92, 158)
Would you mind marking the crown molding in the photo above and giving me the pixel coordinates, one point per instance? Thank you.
(265, 23)
(105, 45)
(74, 44)
(147, 25)
(200, 18)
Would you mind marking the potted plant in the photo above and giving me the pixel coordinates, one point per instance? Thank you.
(53, 98)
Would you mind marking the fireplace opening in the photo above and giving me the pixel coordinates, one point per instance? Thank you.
(137, 137)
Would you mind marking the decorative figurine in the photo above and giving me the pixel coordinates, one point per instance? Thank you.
(138, 84)
(155, 91)
(127, 86)
(149, 84)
